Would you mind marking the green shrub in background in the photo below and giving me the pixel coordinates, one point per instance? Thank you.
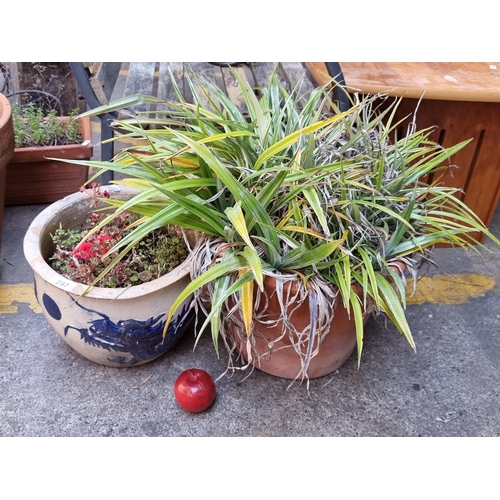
(32, 128)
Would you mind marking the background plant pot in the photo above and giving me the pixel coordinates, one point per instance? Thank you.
(113, 327)
(32, 178)
(6, 150)
(279, 357)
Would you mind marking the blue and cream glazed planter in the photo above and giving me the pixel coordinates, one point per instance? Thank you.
(113, 327)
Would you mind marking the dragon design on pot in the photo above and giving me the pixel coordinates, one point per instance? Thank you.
(142, 339)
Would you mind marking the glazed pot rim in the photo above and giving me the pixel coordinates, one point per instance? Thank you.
(33, 254)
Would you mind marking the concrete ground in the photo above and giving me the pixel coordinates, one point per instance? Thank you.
(449, 387)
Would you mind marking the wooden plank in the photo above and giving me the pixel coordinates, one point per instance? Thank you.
(297, 77)
(263, 71)
(233, 88)
(219, 78)
(103, 77)
(119, 87)
(455, 81)
(165, 88)
(203, 70)
(140, 80)
(214, 73)
(461, 101)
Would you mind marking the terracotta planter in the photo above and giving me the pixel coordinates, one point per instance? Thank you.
(113, 327)
(279, 357)
(32, 178)
(6, 149)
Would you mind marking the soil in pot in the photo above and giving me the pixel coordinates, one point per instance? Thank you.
(155, 255)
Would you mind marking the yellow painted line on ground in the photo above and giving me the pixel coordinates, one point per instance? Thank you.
(20, 293)
(450, 289)
(439, 289)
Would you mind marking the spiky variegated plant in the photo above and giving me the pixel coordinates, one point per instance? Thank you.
(294, 191)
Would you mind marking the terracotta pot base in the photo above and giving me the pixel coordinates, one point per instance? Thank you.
(279, 357)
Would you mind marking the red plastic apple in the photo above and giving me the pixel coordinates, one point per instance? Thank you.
(194, 390)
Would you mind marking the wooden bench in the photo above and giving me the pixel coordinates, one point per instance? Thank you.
(98, 82)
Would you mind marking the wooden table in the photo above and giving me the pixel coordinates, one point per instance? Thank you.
(461, 100)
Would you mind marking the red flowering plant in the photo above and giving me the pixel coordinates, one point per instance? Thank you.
(83, 261)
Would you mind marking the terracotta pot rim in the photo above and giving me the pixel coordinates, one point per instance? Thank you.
(35, 258)
(6, 110)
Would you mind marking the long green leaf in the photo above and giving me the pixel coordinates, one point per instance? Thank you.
(392, 307)
(314, 201)
(237, 219)
(255, 264)
(299, 259)
(202, 210)
(292, 138)
(223, 294)
(222, 268)
(358, 321)
(248, 201)
(370, 271)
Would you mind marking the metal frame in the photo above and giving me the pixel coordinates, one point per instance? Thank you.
(340, 91)
(107, 148)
